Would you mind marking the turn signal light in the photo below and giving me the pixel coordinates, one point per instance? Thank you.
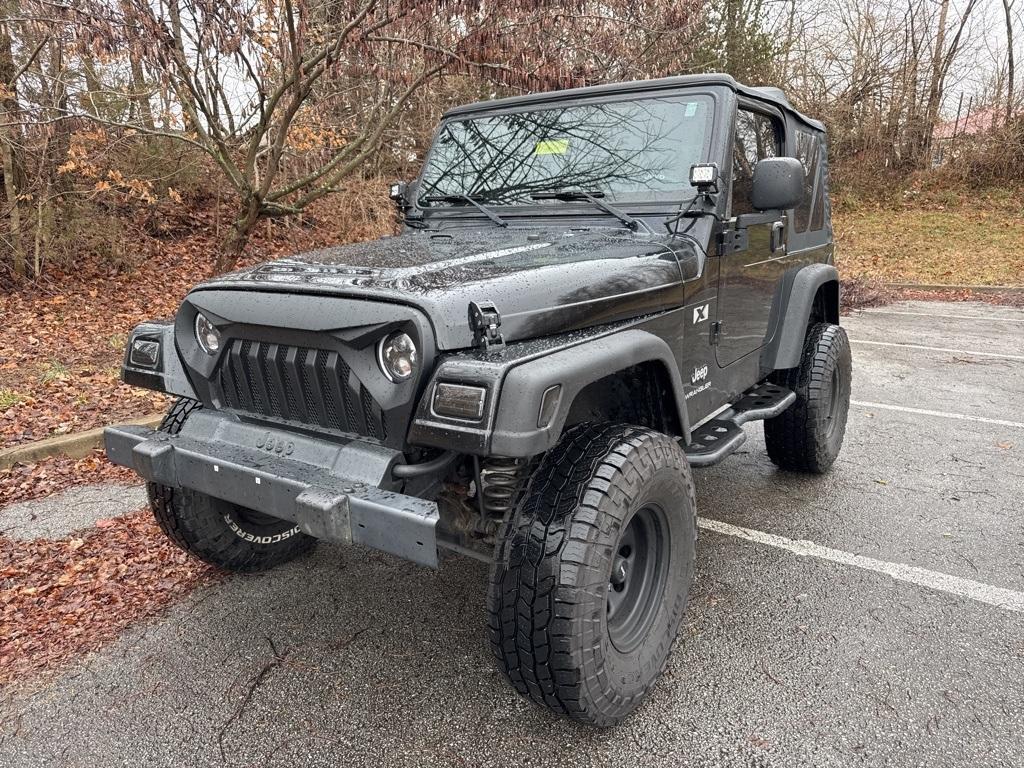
(459, 401)
(145, 353)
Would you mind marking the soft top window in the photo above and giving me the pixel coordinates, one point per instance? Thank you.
(810, 214)
(758, 136)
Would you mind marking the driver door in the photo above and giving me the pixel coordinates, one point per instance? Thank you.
(747, 277)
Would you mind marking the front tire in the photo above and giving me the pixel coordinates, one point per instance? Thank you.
(592, 572)
(808, 436)
(218, 532)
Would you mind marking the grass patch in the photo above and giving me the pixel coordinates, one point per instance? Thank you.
(8, 398)
(54, 370)
(117, 341)
(944, 240)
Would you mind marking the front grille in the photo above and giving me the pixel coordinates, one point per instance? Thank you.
(311, 386)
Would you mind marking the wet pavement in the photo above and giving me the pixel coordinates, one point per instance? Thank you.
(70, 510)
(350, 657)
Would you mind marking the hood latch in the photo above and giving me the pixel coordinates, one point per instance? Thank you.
(485, 322)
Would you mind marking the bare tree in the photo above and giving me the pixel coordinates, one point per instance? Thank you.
(949, 36)
(252, 78)
(1010, 62)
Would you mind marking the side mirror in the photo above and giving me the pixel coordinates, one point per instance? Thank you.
(778, 184)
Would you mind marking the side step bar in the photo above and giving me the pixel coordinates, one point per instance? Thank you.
(715, 439)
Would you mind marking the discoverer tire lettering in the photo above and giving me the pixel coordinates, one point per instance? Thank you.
(216, 531)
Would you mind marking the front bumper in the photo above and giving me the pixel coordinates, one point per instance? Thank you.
(334, 491)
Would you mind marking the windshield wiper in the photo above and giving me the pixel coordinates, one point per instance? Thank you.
(592, 198)
(467, 199)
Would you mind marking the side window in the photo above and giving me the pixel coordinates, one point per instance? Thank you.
(757, 136)
(818, 211)
(810, 213)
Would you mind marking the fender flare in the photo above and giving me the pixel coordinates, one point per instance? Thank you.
(516, 432)
(795, 304)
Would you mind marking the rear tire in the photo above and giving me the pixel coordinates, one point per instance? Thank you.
(218, 532)
(592, 571)
(808, 436)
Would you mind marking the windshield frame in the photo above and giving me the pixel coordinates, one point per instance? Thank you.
(666, 204)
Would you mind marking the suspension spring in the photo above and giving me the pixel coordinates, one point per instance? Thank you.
(501, 483)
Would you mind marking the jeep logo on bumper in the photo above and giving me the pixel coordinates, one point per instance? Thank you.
(277, 445)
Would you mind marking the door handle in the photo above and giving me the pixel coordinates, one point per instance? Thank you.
(777, 239)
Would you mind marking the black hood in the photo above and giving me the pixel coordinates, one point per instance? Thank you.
(542, 281)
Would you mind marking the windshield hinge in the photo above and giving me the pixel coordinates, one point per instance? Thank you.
(485, 322)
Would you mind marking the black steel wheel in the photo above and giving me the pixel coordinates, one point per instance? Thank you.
(592, 571)
(638, 577)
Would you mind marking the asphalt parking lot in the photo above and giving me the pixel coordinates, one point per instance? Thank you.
(872, 616)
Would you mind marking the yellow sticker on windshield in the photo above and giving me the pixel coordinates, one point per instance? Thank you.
(552, 147)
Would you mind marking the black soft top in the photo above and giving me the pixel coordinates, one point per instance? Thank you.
(773, 96)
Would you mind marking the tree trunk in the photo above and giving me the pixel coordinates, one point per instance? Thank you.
(59, 143)
(944, 57)
(1010, 63)
(934, 86)
(51, 185)
(44, 229)
(10, 140)
(92, 97)
(238, 235)
(13, 204)
(141, 93)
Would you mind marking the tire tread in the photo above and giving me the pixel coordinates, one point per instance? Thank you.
(541, 574)
(793, 439)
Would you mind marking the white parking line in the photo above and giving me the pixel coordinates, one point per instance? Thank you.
(939, 349)
(941, 414)
(987, 318)
(1006, 599)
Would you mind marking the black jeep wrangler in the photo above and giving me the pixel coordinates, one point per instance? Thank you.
(593, 291)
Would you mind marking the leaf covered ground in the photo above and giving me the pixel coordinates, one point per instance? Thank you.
(37, 480)
(61, 599)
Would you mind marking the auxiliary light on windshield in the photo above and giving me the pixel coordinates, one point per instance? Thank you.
(704, 177)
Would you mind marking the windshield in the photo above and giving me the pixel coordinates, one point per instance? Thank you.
(630, 151)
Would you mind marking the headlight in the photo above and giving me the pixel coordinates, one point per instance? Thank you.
(397, 356)
(207, 336)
